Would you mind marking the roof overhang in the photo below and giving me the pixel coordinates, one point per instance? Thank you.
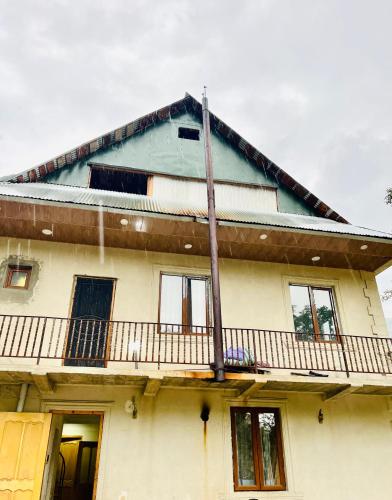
(73, 223)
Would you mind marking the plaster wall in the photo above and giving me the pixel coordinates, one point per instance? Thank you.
(254, 294)
(166, 453)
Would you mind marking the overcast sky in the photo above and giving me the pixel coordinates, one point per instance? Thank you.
(308, 82)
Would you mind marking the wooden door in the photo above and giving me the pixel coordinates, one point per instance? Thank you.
(69, 450)
(23, 444)
(88, 330)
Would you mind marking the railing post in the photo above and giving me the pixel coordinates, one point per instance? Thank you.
(42, 340)
(344, 356)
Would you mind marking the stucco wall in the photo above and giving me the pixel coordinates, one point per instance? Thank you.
(166, 454)
(254, 294)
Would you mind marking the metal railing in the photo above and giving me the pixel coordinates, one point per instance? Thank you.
(92, 342)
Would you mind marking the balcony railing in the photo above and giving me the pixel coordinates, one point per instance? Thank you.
(91, 342)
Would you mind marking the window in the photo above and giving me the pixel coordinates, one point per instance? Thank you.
(122, 181)
(314, 313)
(193, 134)
(257, 449)
(184, 300)
(18, 277)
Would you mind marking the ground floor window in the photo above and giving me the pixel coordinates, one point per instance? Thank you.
(257, 449)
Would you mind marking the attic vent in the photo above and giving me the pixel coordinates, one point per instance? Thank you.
(189, 133)
(116, 180)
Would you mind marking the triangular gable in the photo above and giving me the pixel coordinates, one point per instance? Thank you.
(190, 105)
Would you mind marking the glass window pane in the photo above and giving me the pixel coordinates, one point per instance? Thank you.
(268, 426)
(245, 462)
(302, 313)
(18, 278)
(325, 318)
(171, 303)
(198, 304)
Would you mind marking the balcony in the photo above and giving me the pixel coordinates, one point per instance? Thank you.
(51, 341)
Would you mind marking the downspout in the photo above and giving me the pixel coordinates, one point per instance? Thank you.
(212, 225)
(22, 397)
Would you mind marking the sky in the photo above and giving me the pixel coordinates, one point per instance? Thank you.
(309, 83)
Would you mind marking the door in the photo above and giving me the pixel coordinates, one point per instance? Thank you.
(89, 325)
(23, 444)
(52, 456)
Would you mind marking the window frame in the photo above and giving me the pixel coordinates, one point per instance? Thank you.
(257, 449)
(317, 335)
(15, 268)
(186, 310)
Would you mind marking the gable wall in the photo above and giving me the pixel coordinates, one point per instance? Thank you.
(160, 150)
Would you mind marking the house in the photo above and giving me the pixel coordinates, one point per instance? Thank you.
(106, 353)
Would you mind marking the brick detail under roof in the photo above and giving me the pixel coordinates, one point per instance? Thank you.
(190, 104)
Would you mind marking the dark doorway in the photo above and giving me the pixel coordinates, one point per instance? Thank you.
(89, 324)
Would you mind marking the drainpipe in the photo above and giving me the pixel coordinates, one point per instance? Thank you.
(216, 299)
(22, 397)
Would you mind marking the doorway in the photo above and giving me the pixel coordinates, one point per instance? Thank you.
(89, 324)
(72, 457)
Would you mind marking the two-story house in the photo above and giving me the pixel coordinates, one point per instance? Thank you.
(106, 352)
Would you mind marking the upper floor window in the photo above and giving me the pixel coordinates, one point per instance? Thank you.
(18, 277)
(314, 312)
(184, 304)
(122, 181)
(193, 134)
(257, 449)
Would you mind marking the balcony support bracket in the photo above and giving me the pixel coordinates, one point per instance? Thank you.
(251, 390)
(339, 393)
(43, 383)
(152, 387)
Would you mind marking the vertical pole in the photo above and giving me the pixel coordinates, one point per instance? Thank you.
(216, 299)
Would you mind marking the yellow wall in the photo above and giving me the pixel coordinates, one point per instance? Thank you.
(164, 454)
(254, 294)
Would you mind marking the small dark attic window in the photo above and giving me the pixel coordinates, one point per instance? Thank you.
(116, 180)
(188, 133)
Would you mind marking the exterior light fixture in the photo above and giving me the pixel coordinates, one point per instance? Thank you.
(320, 416)
(187, 246)
(316, 258)
(263, 236)
(124, 222)
(363, 247)
(47, 232)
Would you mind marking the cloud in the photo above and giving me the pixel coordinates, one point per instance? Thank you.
(307, 82)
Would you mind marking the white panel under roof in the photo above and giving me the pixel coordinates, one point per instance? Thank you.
(227, 196)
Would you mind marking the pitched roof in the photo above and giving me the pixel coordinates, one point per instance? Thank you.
(187, 104)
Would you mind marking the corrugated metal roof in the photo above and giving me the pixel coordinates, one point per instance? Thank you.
(139, 203)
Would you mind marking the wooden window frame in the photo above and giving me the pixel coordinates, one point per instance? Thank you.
(15, 268)
(257, 449)
(313, 309)
(186, 326)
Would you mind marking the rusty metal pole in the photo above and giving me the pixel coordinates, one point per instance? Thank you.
(212, 225)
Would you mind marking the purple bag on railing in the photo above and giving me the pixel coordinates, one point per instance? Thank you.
(238, 356)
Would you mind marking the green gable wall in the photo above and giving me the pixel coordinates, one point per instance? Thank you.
(159, 149)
